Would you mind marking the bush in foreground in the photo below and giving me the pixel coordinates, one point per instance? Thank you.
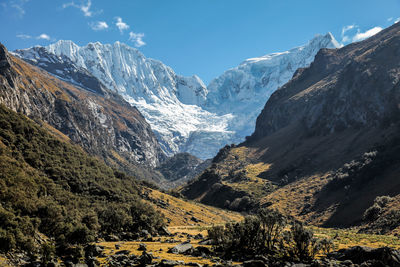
(265, 234)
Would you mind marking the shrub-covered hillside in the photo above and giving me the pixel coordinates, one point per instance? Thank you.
(51, 187)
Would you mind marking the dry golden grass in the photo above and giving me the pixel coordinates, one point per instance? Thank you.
(56, 133)
(179, 212)
(158, 249)
(31, 76)
(342, 238)
(290, 199)
(253, 184)
(118, 157)
(4, 262)
(345, 238)
(254, 170)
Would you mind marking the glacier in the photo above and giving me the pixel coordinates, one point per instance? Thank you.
(244, 90)
(185, 114)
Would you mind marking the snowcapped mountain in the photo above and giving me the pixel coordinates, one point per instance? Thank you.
(185, 115)
(169, 102)
(244, 90)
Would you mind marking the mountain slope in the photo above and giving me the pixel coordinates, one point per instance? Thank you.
(181, 168)
(52, 187)
(104, 124)
(324, 141)
(184, 116)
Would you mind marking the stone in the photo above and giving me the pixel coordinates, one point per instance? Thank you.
(142, 247)
(184, 248)
(145, 259)
(206, 242)
(381, 256)
(254, 263)
(198, 236)
(195, 219)
(168, 263)
(122, 252)
(201, 251)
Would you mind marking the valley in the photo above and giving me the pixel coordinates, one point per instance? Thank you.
(111, 158)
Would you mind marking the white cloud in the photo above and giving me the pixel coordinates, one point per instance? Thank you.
(137, 39)
(24, 36)
(16, 5)
(84, 7)
(43, 36)
(345, 29)
(121, 25)
(390, 19)
(397, 20)
(348, 28)
(98, 25)
(364, 35)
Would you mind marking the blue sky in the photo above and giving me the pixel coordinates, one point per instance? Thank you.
(203, 37)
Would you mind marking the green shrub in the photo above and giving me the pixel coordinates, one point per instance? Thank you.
(47, 252)
(7, 240)
(372, 213)
(263, 234)
(53, 187)
(299, 243)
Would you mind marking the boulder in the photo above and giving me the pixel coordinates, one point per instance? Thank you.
(201, 251)
(145, 259)
(142, 247)
(164, 231)
(381, 256)
(254, 263)
(195, 264)
(195, 219)
(122, 252)
(198, 236)
(168, 263)
(184, 248)
(206, 242)
(112, 238)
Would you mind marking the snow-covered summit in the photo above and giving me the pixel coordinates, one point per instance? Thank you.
(169, 102)
(126, 70)
(244, 90)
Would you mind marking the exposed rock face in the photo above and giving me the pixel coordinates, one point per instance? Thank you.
(346, 102)
(243, 90)
(182, 167)
(63, 68)
(353, 87)
(101, 122)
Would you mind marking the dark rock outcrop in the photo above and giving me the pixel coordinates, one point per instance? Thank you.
(182, 168)
(375, 257)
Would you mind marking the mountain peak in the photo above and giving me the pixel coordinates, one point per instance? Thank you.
(4, 60)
